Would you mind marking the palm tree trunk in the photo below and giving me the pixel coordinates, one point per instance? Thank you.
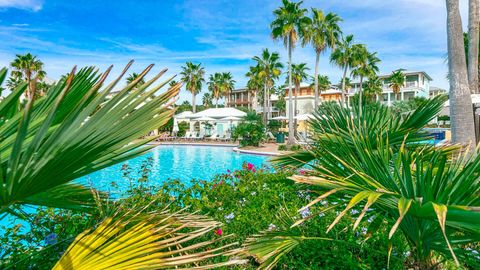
(291, 137)
(216, 103)
(249, 100)
(317, 97)
(461, 111)
(265, 103)
(473, 28)
(360, 94)
(297, 89)
(343, 84)
(194, 108)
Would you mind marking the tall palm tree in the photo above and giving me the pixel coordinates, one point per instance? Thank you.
(365, 65)
(289, 25)
(461, 111)
(214, 86)
(299, 75)
(193, 77)
(132, 77)
(269, 69)
(323, 83)
(342, 57)
(27, 67)
(227, 85)
(473, 44)
(323, 32)
(253, 85)
(207, 100)
(373, 87)
(396, 82)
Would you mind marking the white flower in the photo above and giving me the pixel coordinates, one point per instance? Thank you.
(229, 217)
(253, 193)
(272, 227)
(305, 213)
(354, 211)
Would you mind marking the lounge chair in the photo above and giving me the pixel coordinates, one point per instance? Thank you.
(270, 137)
(187, 135)
(198, 137)
(214, 137)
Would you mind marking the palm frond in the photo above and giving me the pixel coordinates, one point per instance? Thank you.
(81, 126)
(150, 240)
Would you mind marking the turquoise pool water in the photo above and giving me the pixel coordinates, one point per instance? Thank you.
(183, 162)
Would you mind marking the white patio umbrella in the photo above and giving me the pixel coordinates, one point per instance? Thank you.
(230, 119)
(303, 117)
(280, 118)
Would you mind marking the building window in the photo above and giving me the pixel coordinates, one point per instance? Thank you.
(408, 95)
(385, 97)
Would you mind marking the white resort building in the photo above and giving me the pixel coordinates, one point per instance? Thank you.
(417, 84)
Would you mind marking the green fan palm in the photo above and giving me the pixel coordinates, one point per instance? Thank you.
(376, 161)
(74, 131)
(193, 77)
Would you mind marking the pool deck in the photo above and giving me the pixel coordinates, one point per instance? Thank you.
(267, 149)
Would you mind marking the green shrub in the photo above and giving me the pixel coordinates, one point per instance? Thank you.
(247, 201)
(182, 128)
(295, 147)
(250, 131)
(282, 147)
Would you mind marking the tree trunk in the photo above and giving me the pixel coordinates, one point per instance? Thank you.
(297, 89)
(461, 111)
(291, 137)
(249, 100)
(473, 28)
(194, 109)
(317, 97)
(265, 103)
(360, 94)
(343, 84)
(216, 103)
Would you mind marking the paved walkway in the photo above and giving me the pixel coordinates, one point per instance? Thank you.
(270, 149)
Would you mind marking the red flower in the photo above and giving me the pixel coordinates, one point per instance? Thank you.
(218, 232)
(251, 167)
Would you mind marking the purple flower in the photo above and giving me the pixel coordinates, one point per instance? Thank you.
(50, 239)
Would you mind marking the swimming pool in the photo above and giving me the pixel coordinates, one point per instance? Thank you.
(184, 162)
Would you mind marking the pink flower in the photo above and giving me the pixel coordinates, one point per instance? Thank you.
(251, 167)
(302, 172)
(218, 232)
(228, 171)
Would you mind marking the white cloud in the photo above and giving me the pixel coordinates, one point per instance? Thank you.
(33, 5)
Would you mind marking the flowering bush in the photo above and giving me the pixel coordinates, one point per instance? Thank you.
(247, 201)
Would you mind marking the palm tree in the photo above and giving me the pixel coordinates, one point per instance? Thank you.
(299, 75)
(207, 100)
(324, 32)
(323, 83)
(132, 77)
(193, 77)
(269, 69)
(227, 85)
(473, 44)
(27, 67)
(373, 87)
(342, 57)
(254, 83)
(214, 86)
(461, 111)
(396, 82)
(289, 25)
(365, 65)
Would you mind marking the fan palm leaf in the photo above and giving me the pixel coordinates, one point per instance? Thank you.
(150, 240)
(73, 131)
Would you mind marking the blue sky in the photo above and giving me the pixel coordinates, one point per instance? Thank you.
(222, 35)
